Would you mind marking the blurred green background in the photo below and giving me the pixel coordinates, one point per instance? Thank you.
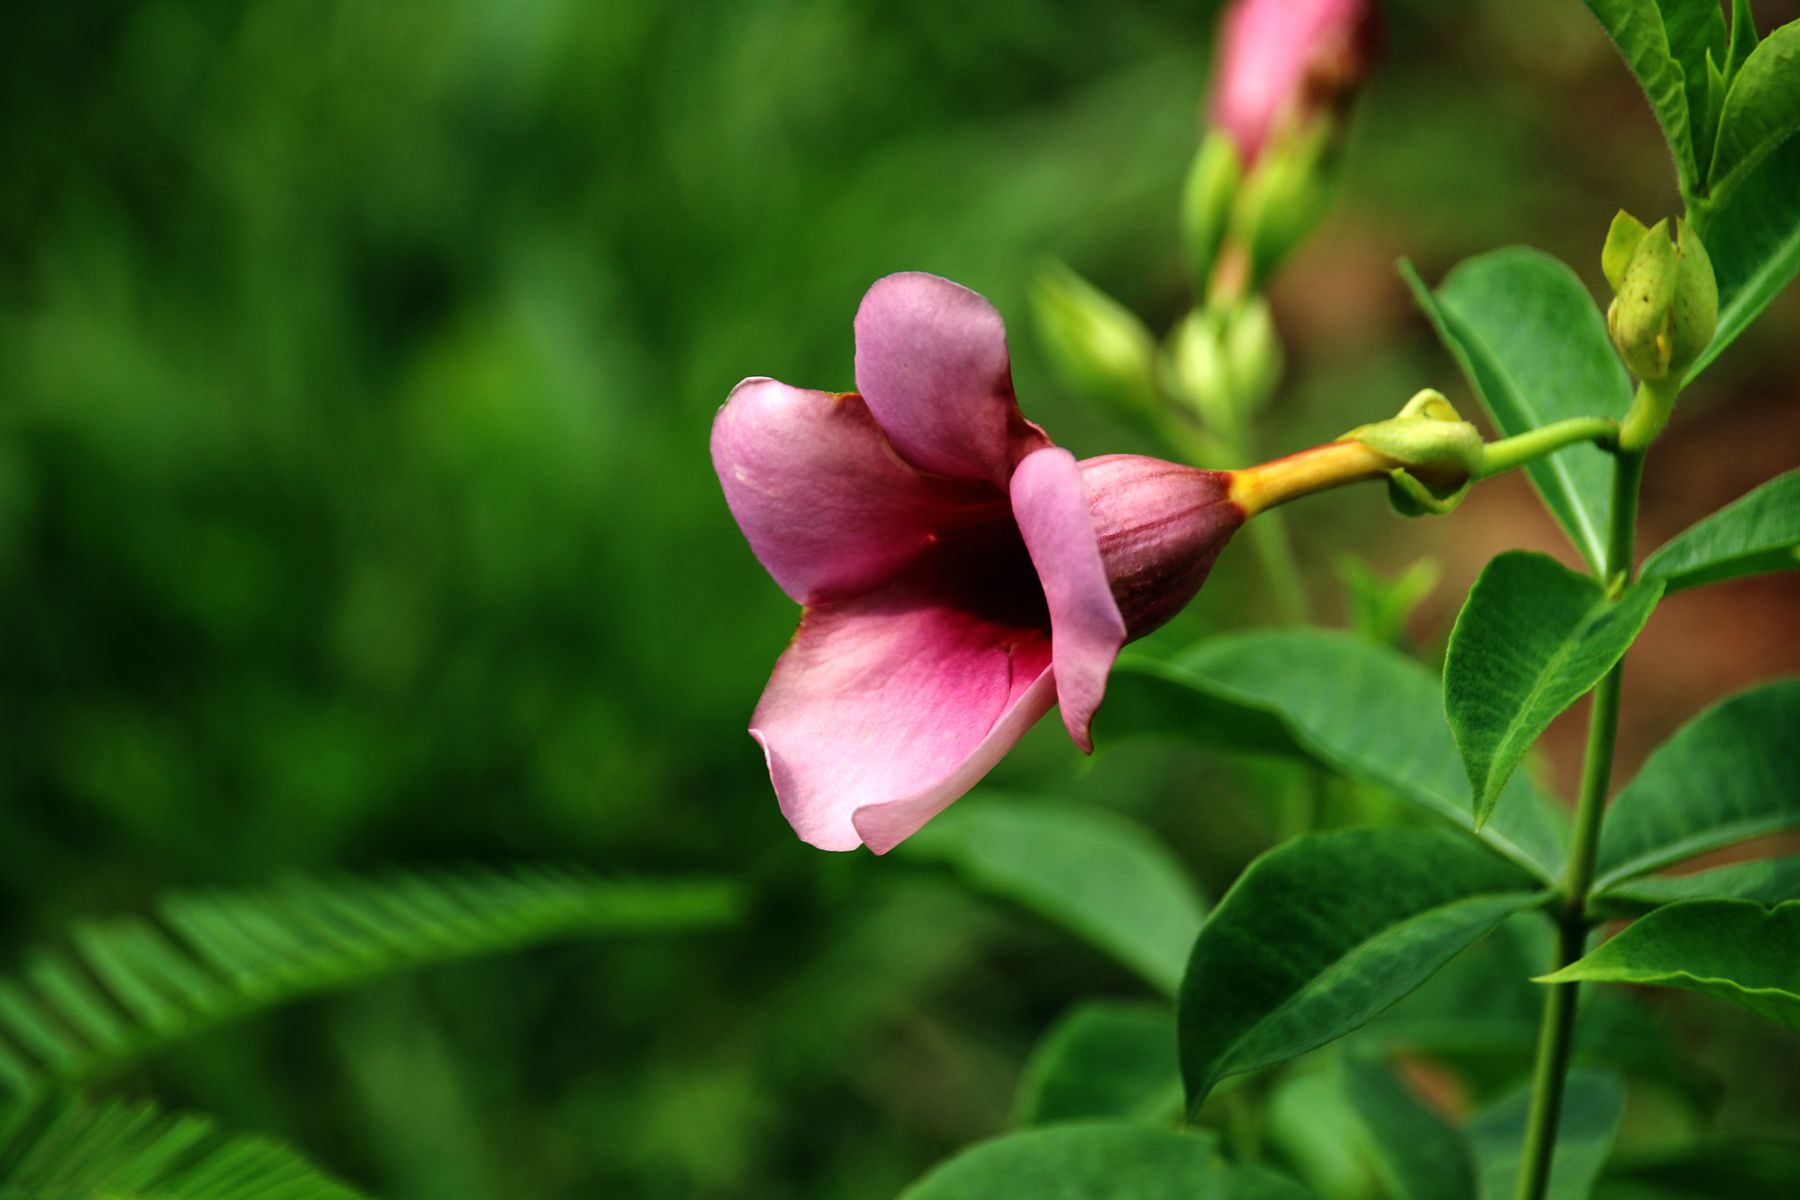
(356, 367)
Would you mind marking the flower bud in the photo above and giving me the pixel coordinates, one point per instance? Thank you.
(1200, 371)
(1666, 302)
(1212, 182)
(1253, 354)
(1284, 62)
(1094, 343)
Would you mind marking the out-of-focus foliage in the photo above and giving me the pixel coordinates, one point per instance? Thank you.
(356, 363)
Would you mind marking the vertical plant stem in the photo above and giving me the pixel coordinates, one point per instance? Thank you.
(1275, 554)
(1557, 1026)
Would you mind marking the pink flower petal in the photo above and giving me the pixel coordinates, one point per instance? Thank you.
(1051, 506)
(826, 505)
(931, 361)
(887, 707)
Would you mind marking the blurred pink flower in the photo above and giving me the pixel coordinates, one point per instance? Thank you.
(959, 573)
(1282, 59)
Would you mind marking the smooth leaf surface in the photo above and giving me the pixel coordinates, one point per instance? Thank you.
(1765, 880)
(1535, 349)
(1762, 109)
(1593, 1104)
(1096, 873)
(1325, 932)
(1727, 775)
(1365, 711)
(1696, 29)
(1736, 950)
(1749, 1168)
(1098, 1161)
(1753, 238)
(1416, 1153)
(1309, 1122)
(1482, 1011)
(1637, 28)
(1532, 639)
(1103, 1058)
(1757, 532)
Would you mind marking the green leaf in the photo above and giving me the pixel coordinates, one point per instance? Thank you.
(1417, 1154)
(1736, 950)
(1755, 533)
(1482, 1012)
(72, 1150)
(1096, 873)
(1103, 1058)
(1766, 880)
(1746, 1168)
(1533, 637)
(1536, 350)
(1323, 933)
(1364, 711)
(1311, 1125)
(1379, 606)
(1696, 31)
(1727, 775)
(134, 986)
(1099, 1160)
(1637, 28)
(1762, 109)
(1592, 1105)
(1753, 238)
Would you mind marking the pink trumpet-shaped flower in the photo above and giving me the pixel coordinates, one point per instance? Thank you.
(1287, 58)
(960, 574)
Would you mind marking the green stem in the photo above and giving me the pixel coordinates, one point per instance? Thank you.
(1511, 452)
(1557, 1027)
(1275, 553)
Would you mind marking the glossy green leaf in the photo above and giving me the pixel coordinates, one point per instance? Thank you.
(1365, 711)
(1736, 950)
(1755, 533)
(1696, 31)
(1753, 238)
(1103, 1058)
(1325, 932)
(1532, 639)
(1727, 775)
(1097, 873)
(1416, 1153)
(1593, 1104)
(1765, 880)
(1099, 1160)
(1762, 109)
(1535, 349)
(1482, 1011)
(1638, 29)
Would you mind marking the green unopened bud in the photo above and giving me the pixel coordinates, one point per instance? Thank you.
(1435, 453)
(1284, 197)
(1621, 239)
(1212, 182)
(1666, 305)
(1093, 342)
(1252, 354)
(1200, 370)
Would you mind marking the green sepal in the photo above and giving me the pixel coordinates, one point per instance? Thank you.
(1412, 497)
(1206, 201)
(1621, 240)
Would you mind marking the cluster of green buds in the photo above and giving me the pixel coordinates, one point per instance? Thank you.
(1664, 311)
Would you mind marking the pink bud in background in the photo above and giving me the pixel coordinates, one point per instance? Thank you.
(1286, 60)
(959, 573)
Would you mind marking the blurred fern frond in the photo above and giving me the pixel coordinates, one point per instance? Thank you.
(74, 1150)
(133, 985)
